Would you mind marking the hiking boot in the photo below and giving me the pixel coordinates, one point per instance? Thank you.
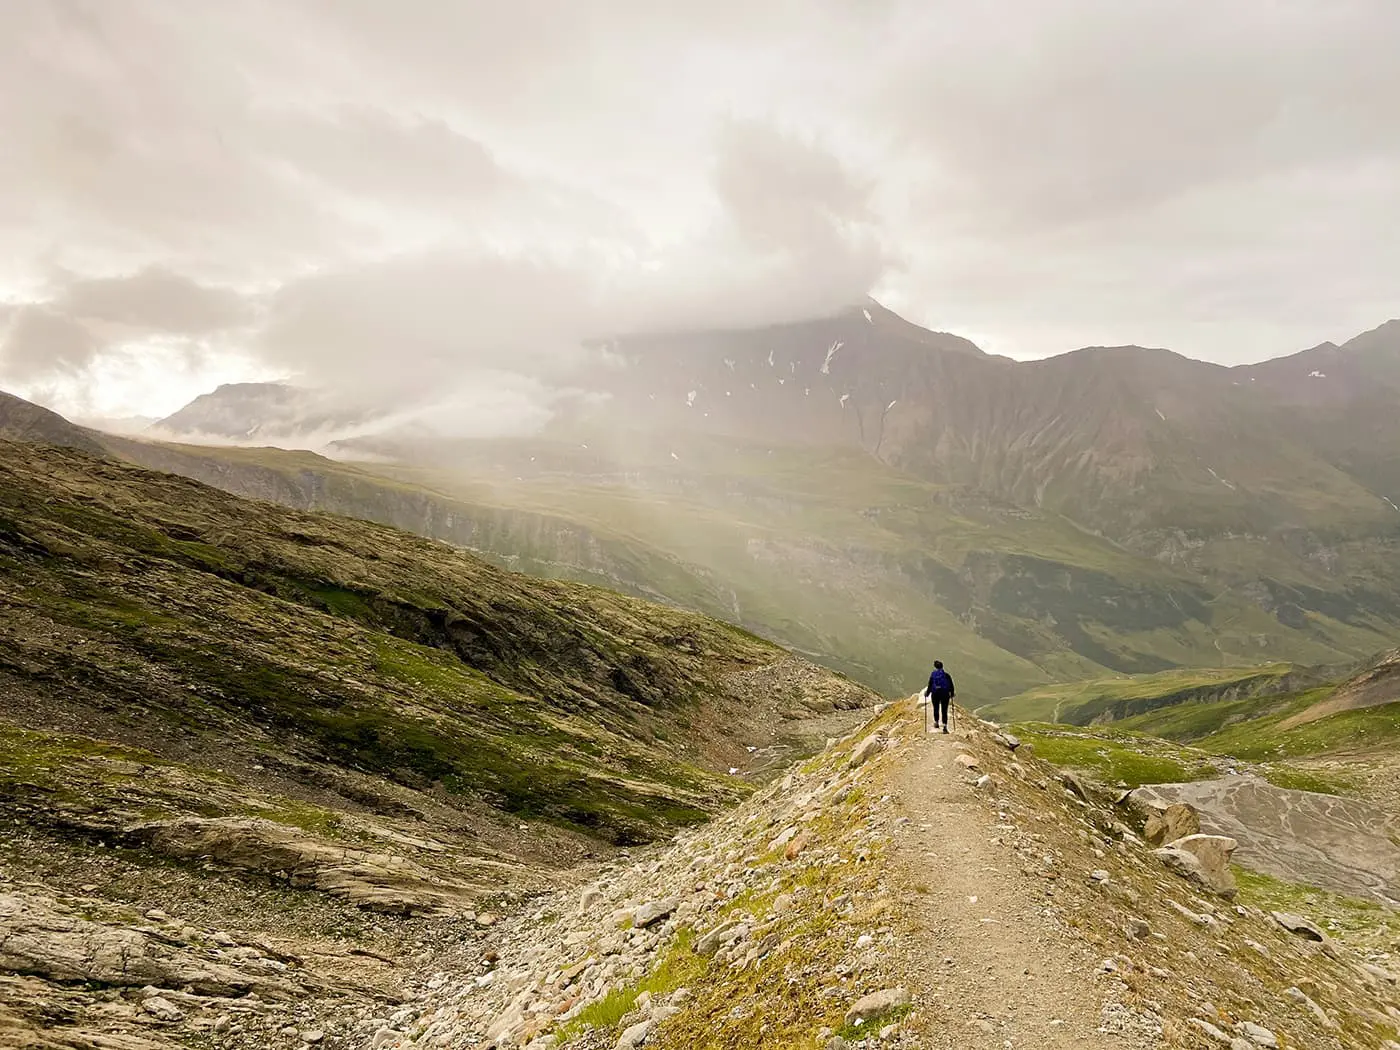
(945, 729)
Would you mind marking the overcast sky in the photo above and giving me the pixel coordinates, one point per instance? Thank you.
(408, 193)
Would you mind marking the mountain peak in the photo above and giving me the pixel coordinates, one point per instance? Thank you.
(24, 421)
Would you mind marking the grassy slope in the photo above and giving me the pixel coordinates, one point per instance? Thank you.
(1253, 722)
(1081, 702)
(1128, 759)
(145, 607)
(1249, 726)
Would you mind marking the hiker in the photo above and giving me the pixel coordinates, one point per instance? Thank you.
(940, 693)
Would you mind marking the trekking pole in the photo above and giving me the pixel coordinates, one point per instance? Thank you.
(924, 697)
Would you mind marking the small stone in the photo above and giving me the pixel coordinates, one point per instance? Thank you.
(876, 1003)
(1257, 1034)
(313, 1036)
(652, 912)
(589, 899)
(222, 939)
(636, 1035)
(156, 915)
(162, 1009)
(867, 749)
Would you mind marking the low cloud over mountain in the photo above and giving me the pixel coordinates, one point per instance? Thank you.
(336, 195)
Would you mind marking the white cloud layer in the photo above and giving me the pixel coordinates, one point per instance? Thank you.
(394, 197)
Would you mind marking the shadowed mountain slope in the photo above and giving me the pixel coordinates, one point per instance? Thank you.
(163, 613)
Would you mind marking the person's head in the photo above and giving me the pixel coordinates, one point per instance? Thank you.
(938, 665)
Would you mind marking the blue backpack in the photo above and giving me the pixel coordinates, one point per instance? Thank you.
(939, 684)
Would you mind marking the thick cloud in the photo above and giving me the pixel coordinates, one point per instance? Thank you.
(152, 300)
(391, 195)
(39, 342)
(407, 324)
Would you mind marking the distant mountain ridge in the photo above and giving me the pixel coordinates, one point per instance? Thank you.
(22, 420)
(261, 413)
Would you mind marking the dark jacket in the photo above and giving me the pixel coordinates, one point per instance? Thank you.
(940, 683)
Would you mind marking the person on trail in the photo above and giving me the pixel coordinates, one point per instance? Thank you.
(940, 694)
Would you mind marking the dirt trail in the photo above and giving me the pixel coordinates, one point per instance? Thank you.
(997, 969)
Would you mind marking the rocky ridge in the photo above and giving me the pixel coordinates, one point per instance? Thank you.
(793, 921)
(897, 890)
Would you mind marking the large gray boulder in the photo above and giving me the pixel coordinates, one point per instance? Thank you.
(1175, 822)
(867, 749)
(876, 1004)
(1214, 852)
(1204, 860)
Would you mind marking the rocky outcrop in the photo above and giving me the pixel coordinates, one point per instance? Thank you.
(376, 881)
(1203, 859)
(1175, 822)
(42, 938)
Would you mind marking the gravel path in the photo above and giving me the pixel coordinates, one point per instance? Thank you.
(998, 969)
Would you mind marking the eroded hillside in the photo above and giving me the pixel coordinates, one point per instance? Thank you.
(313, 752)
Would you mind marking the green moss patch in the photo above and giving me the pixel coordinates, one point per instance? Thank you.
(1117, 758)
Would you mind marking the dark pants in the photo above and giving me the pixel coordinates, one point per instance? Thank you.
(940, 709)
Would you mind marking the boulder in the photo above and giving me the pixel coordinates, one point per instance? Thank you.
(709, 943)
(652, 912)
(589, 899)
(1075, 784)
(876, 1003)
(967, 761)
(1213, 851)
(1257, 1034)
(162, 1009)
(867, 749)
(636, 1035)
(1298, 925)
(1189, 867)
(1175, 822)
